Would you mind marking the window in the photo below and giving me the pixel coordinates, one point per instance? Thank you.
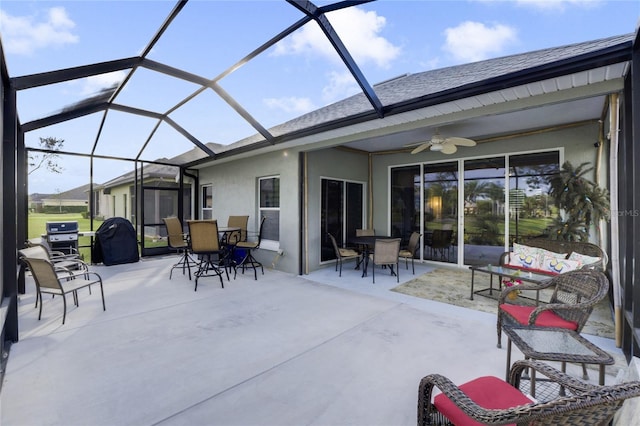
(207, 202)
(269, 189)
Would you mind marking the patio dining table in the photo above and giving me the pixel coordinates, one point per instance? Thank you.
(366, 242)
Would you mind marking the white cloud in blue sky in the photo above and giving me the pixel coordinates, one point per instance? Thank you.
(359, 30)
(23, 35)
(475, 41)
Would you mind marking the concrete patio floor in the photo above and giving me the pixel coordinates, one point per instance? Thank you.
(282, 350)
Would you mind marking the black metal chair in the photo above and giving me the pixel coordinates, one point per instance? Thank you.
(178, 241)
(342, 254)
(248, 261)
(205, 243)
(410, 251)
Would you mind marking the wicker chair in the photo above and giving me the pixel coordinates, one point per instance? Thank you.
(386, 253)
(410, 251)
(492, 401)
(575, 293)
(48, 280)
(178, 241)
(203, 235)
(568, 247)
(342, 254)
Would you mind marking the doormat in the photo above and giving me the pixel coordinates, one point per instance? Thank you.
(454, 287)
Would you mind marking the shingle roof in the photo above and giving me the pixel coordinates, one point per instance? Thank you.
(416, 86)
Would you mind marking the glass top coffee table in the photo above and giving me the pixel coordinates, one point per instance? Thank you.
(507, 272)
(555, 344)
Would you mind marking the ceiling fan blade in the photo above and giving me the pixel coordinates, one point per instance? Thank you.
(420, 148)
(461, 141)
(448, 148)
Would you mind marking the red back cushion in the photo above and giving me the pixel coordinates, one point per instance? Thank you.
(545, 319)
(488, 392)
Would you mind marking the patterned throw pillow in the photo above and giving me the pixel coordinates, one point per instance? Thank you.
(558, 264)
(583, 259)
(525, 257)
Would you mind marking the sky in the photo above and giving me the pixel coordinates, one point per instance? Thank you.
(386, 38)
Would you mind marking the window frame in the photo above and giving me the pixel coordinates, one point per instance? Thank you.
(268, 244)
(203, 204)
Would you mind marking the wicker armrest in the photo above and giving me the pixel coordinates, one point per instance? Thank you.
(524, 286)
(583, 404)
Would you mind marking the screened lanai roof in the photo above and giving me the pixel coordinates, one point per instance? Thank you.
(184, 91)
(161, 105)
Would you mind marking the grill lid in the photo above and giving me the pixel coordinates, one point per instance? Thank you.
(62, 227)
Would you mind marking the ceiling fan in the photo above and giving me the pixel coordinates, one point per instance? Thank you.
(445, 145)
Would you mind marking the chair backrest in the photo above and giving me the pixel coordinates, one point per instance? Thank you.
(43, 272)
(262, 221)
(35, 251)
(238, 222)
(336, 249)
(203, 235)
(587, 286)
(414, 241)
(365, 232)
(386, 251)
(175, 233)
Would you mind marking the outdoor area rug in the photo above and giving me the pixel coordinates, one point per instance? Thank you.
(453, 286)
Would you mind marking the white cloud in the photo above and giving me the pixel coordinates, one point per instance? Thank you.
(22, 35)
(557, 5)
(358, 30)
(95, 83)
(341, 85)
(474, 41)
(290, 104)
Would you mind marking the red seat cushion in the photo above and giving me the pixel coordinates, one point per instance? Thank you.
(488, 392)
(545, 319)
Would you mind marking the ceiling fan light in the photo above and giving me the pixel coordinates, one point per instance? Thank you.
(436, 147)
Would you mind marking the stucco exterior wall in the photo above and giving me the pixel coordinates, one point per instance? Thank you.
(235, 192)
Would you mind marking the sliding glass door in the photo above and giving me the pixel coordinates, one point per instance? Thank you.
(441, 211)
(342, 212)
(484, 210)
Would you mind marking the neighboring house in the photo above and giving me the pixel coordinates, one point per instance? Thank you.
(73, 200)
(117, 197)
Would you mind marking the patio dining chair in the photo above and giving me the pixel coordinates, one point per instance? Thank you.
(178, 240)
(342, 253)
(386, 253)
(249, 261)
(205, 244)
(237, 236)
(410, 251)
(49, 281)
(491, 401)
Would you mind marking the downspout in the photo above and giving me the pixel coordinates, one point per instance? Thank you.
(615, 229)
(370, 208)
(305, 214)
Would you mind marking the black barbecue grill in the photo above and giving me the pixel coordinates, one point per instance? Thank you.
(63, 236)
